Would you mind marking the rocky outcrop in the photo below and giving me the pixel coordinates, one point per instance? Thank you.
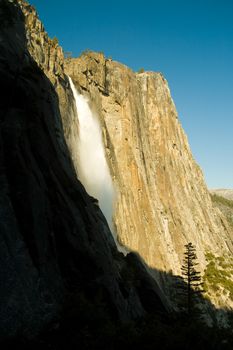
(54, 240)
(162, 200)
(50, 58)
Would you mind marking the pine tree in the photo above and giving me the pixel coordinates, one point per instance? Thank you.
(192, 288)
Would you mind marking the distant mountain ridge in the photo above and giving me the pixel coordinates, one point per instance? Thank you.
(223, 200)
(223, 192)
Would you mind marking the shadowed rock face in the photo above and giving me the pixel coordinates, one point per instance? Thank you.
(162, 201)
(54, 239)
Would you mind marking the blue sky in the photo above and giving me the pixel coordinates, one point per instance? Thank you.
(190, 42)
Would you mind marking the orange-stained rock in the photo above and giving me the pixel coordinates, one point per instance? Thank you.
(162, 199)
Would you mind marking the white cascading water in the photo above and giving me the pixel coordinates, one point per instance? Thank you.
(92, 168)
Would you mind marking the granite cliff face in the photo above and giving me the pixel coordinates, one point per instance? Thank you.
(162, 200)
(50, 59)
(54, 241)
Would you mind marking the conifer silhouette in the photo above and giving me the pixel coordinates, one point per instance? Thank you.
(192, 288)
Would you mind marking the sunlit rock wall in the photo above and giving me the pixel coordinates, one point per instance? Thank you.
(162, 200)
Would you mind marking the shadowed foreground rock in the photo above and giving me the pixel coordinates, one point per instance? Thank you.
(54, 241)
(63, 284)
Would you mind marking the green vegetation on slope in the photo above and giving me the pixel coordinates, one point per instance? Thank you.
(225, 205)
(218, 275)
(219, 199)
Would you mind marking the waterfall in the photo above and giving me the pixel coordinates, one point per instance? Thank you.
(93, 169)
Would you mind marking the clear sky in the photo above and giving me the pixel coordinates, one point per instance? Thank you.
(189, 41)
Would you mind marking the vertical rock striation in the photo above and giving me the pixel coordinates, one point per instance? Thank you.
(162, 200)
(50, 59)
(54, 240)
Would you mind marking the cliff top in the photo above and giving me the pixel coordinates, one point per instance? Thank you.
(99, 57)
